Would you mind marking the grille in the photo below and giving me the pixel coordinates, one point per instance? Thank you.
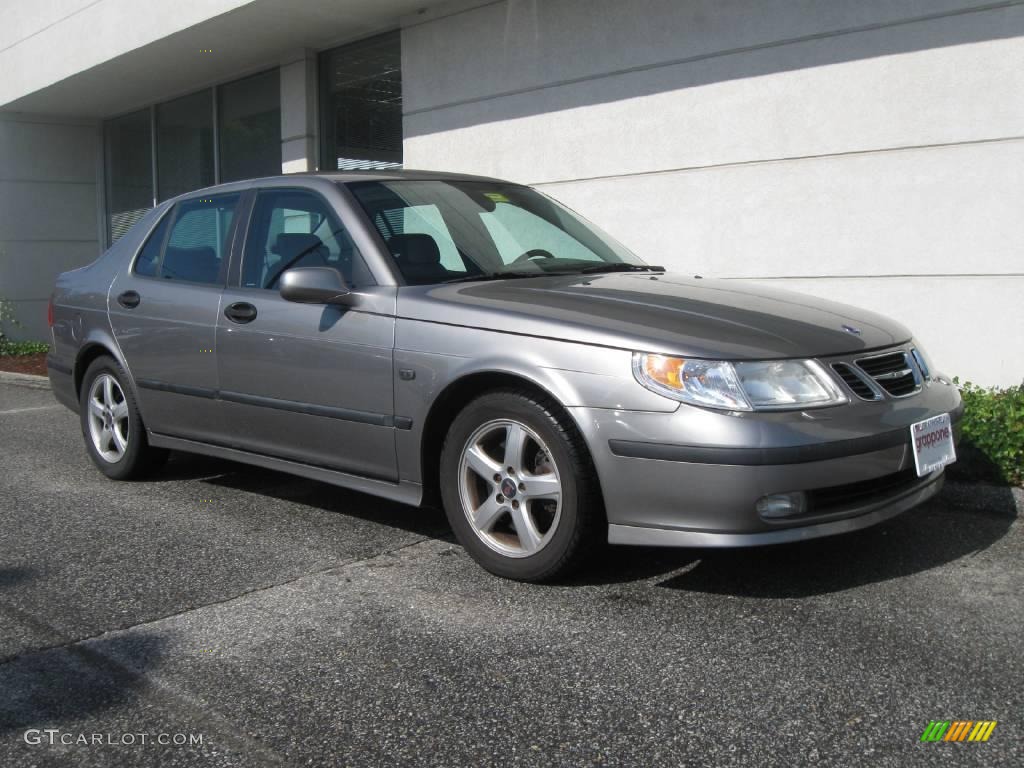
(853, 380)
(893, 372)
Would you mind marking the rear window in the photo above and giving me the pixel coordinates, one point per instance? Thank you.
(196, 248)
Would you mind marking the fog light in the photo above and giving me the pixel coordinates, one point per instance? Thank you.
(777, 505)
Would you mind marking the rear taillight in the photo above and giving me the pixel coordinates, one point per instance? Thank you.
(49, 312)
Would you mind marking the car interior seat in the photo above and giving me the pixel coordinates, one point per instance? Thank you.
(418, 257)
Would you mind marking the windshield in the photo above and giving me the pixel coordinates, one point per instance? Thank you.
(439, 231)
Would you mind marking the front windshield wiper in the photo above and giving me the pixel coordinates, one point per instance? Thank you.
(616, 267)
(496, 276)
(621, 267)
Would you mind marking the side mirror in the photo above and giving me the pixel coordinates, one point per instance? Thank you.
(314, 285)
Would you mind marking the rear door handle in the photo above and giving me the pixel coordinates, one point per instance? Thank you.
(129, 299)
(240, 312)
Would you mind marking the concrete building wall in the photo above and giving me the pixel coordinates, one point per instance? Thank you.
(49, 219)
(869, 152)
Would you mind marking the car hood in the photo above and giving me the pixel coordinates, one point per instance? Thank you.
(668, 313)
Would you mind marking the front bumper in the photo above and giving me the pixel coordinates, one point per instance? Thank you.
(693, 477)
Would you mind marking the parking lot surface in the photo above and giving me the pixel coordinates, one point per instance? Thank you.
(286, 622)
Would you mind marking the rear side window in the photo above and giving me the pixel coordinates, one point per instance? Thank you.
(149, 257)
(197, 245)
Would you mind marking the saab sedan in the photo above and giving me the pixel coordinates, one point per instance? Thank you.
(440, 338)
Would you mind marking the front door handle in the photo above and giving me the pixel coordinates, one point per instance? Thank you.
(240, 312)
(129, 299)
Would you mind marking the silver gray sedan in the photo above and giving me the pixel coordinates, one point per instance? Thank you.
(435, 337)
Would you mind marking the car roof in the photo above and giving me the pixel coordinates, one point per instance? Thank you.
(342, 177)
(393, 174)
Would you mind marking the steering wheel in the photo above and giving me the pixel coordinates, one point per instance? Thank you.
(533, 253)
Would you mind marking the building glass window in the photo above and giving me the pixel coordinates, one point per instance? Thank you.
(249, 124)
(361, 104)
(128, 158)
(184, 144)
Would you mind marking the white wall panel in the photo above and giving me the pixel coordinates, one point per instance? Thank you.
(596, 128)
(948, 210)
(523, 44)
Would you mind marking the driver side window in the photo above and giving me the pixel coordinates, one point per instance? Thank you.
(295, 228)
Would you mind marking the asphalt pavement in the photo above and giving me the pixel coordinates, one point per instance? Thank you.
(267, 620)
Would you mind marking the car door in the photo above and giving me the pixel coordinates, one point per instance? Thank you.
(164, 310)
(307, 382)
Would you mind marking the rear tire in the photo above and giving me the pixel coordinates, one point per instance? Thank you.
(519, 487)
(115, 436)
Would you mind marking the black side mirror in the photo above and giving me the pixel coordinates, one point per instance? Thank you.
(314, 285)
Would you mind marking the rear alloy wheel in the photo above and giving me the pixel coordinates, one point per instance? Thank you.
(519, 487)
(108, 418)
(111, 424)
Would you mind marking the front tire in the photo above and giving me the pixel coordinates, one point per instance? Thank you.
(519, 487)
(115, 436)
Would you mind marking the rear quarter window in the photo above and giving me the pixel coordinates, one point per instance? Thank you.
(148, 262)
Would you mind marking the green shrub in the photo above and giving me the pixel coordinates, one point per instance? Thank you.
(992, 447)
(7, 317)
(10, 348)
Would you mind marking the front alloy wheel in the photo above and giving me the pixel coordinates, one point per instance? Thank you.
(509, 488)
(519, 487)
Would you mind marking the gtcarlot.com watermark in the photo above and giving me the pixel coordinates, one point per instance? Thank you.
(55, 736)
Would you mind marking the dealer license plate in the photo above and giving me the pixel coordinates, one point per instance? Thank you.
(932, 443)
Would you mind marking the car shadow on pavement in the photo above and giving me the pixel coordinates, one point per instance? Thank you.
(963, 520)
(65, 687)
(194, 466)
(223, 473)
(425, 521)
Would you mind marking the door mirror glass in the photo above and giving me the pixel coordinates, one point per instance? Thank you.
(314, 285)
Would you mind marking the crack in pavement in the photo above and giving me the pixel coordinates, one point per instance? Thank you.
(31, 408)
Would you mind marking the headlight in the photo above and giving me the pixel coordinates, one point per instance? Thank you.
(788, 384)
(741, 386)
